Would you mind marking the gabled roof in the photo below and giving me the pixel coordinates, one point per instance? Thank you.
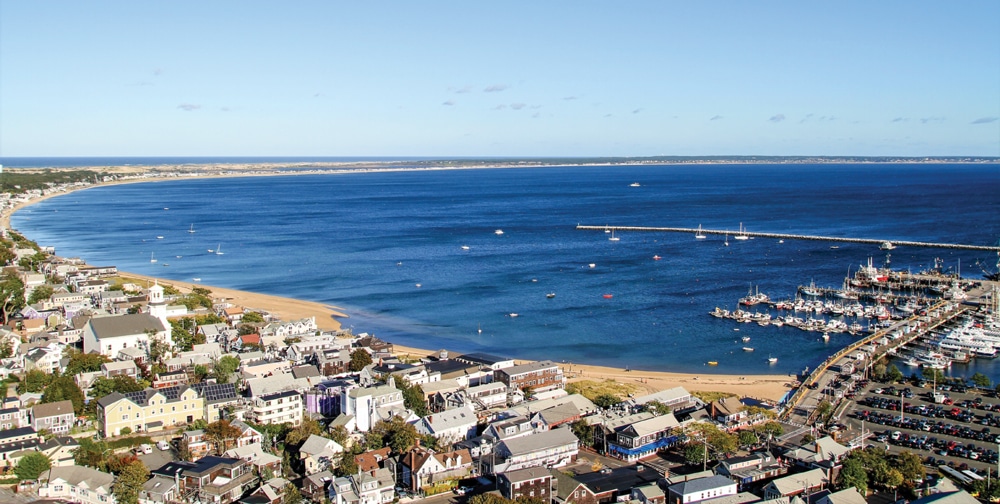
(78, 476)
(794, 483)
(665, 396)
(845, 496)
(450, 419)
(316, 445)
(531, 473)
(540, 441)
(483, 358)
(654, 425)
(52, 409)
(728, 406)
(125, 325)
(370, 460)
(701, 485)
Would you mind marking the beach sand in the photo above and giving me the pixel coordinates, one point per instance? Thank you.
(771, 387)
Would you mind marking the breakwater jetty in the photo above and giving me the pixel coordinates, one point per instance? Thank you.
(787, 236)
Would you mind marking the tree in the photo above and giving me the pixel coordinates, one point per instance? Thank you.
(291, 495)
(64, 388)
(119, 383)
(222, 434)
(606, 400)
(226, 366)
(32, 465)
(694, 453)
(980, 380)
(339, 434)
(584, 432)
(657, 408)
(748, 438)
(359, 359)
(40, 293)
(853, 474)
(300, 434)
(253, 318)
(936, 375)
(129, 483)
(200, 372)
(770, 428)
(395, 433)
(34, 381)
(488, 498)
(893, 374)
(910, 466)
(879, 369)
(808, 438)
(80, 362)
(348, 465)
(413, 397)
(11, 295)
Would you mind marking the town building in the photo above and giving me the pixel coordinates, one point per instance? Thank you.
(78, 484)
(531, 483)
(537, 376)
(55, 417)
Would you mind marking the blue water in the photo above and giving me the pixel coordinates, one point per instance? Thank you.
(363, 242)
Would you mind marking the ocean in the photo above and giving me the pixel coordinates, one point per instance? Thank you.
(388, 249)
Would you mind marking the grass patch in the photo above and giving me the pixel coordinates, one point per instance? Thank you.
(592, 389)
(709, 396)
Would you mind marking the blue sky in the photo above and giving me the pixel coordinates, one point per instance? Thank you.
(552, 78)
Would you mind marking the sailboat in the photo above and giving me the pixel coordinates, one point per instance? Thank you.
(218, 250)
(613, 237)
(742, 235)
(192, 229)
(152, 259)
(726, 243)
(699, 235)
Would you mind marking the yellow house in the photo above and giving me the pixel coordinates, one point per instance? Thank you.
(149, 410)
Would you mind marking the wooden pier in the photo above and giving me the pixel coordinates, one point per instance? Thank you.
(786, 236)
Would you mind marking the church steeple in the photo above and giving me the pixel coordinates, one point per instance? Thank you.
(157, 306)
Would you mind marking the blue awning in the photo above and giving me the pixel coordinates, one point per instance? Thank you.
(646, 448)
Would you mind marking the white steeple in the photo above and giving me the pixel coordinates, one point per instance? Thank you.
(157, 306)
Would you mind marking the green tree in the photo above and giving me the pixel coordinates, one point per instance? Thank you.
(222, 434)
(808, 438)
(339, 434)
(200, 372)
(91, 453)
(606, 400)
(910, 466)
(225, 368)
(291, 495)
(748, 438)
(32, 465)
(300, 434)
(395, 433)
(488, 498)
(119, 383)
(7, 349)
(33, 261)
(64, 388)
(252, 318)
(694, 453)
(80, 362)
(129, 483)
(348, 464)
(11, 295)
(584, 432)
(893, 374)
(359, 359)
(879, 369)
(770, 429)
(40, 293)
(980, 380)
(413, 397)
(657, 408)
(853, 474)
(931, 374)
(34, 381)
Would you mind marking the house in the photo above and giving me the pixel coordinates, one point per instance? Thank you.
(13, 417)
(159, 490)
(700, 489)
(422, 467)
(553, 417)
(16, 440)
(217, 397)
(109, 335)
(492, 362)
(316, 485)
(648, 494)
(59, 450)
(77, 484)
(636, 436)
(537, 376)
(369, 405)
(821, 452)
(372, 459)
(149, 410)
(751, 468)
(728, 411)
(56, 417)
(256, 457)
(196, 443)
(570, 490)
(846, 496)
(794, 484)
(365, 488)
(319, 454)
(45, 358)
(509, 428)
(122, 367)
(450, 426)
(487, 396)
(220, 480)
(554, 448)
(277, 408)
(532, 483)
(678, 399)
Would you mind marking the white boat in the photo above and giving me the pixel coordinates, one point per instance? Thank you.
(152, 257)
(159, 237)
(772, 360)
(550, 295)
(742, 235)
(699, 235)
(634, 184)
(192, 229)
(196, 279)
(781, 241)
(419, 286)
(592, 265)
(746, 339)
(747, 349)
(811, 290)
(218, 250)
(512, 315)
(887, 246)
(465, 247)
(613, 237)
(498, 232)
(726, 243)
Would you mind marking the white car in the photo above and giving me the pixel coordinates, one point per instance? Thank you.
(163, 445)
(144, 449)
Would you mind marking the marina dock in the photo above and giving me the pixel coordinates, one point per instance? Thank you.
(786, 236)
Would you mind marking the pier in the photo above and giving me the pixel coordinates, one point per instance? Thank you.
(786, 236)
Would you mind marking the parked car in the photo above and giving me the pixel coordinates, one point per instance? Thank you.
(163, 445)
(144, 449)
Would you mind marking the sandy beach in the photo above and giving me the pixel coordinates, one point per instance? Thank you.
(772, 387)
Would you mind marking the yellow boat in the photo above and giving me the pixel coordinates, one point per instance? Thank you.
(713, 363)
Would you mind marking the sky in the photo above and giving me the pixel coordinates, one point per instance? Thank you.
(512, 78)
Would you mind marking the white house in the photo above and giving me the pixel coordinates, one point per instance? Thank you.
(77, 484)
(451, 426)
(110, 335)
(375, 487)
(319, 453)
(365, 404)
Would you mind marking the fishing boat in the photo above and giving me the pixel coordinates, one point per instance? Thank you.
(192, 229)
(218, 250)
(810, 290)
(613, 237)
(550, 295)
(498, 232)
(742, 235)
(699, 235)
(754, 298)
(152, 257)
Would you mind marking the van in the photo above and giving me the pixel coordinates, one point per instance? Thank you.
(163, 445)
(144, 449)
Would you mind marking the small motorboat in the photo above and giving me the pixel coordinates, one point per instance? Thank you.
(713, 363)
(747, 349)
(657, 258)
(635, 184)
(159, 237)
(550, 295)
(608, 296)
(419, 285)
(196, 279)
(592, 265)
(465, 247)
(498, 232)
(512, 315)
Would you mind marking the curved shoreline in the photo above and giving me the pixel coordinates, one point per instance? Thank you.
(771, 387)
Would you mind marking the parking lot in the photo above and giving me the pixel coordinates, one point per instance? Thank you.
(957, 428)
